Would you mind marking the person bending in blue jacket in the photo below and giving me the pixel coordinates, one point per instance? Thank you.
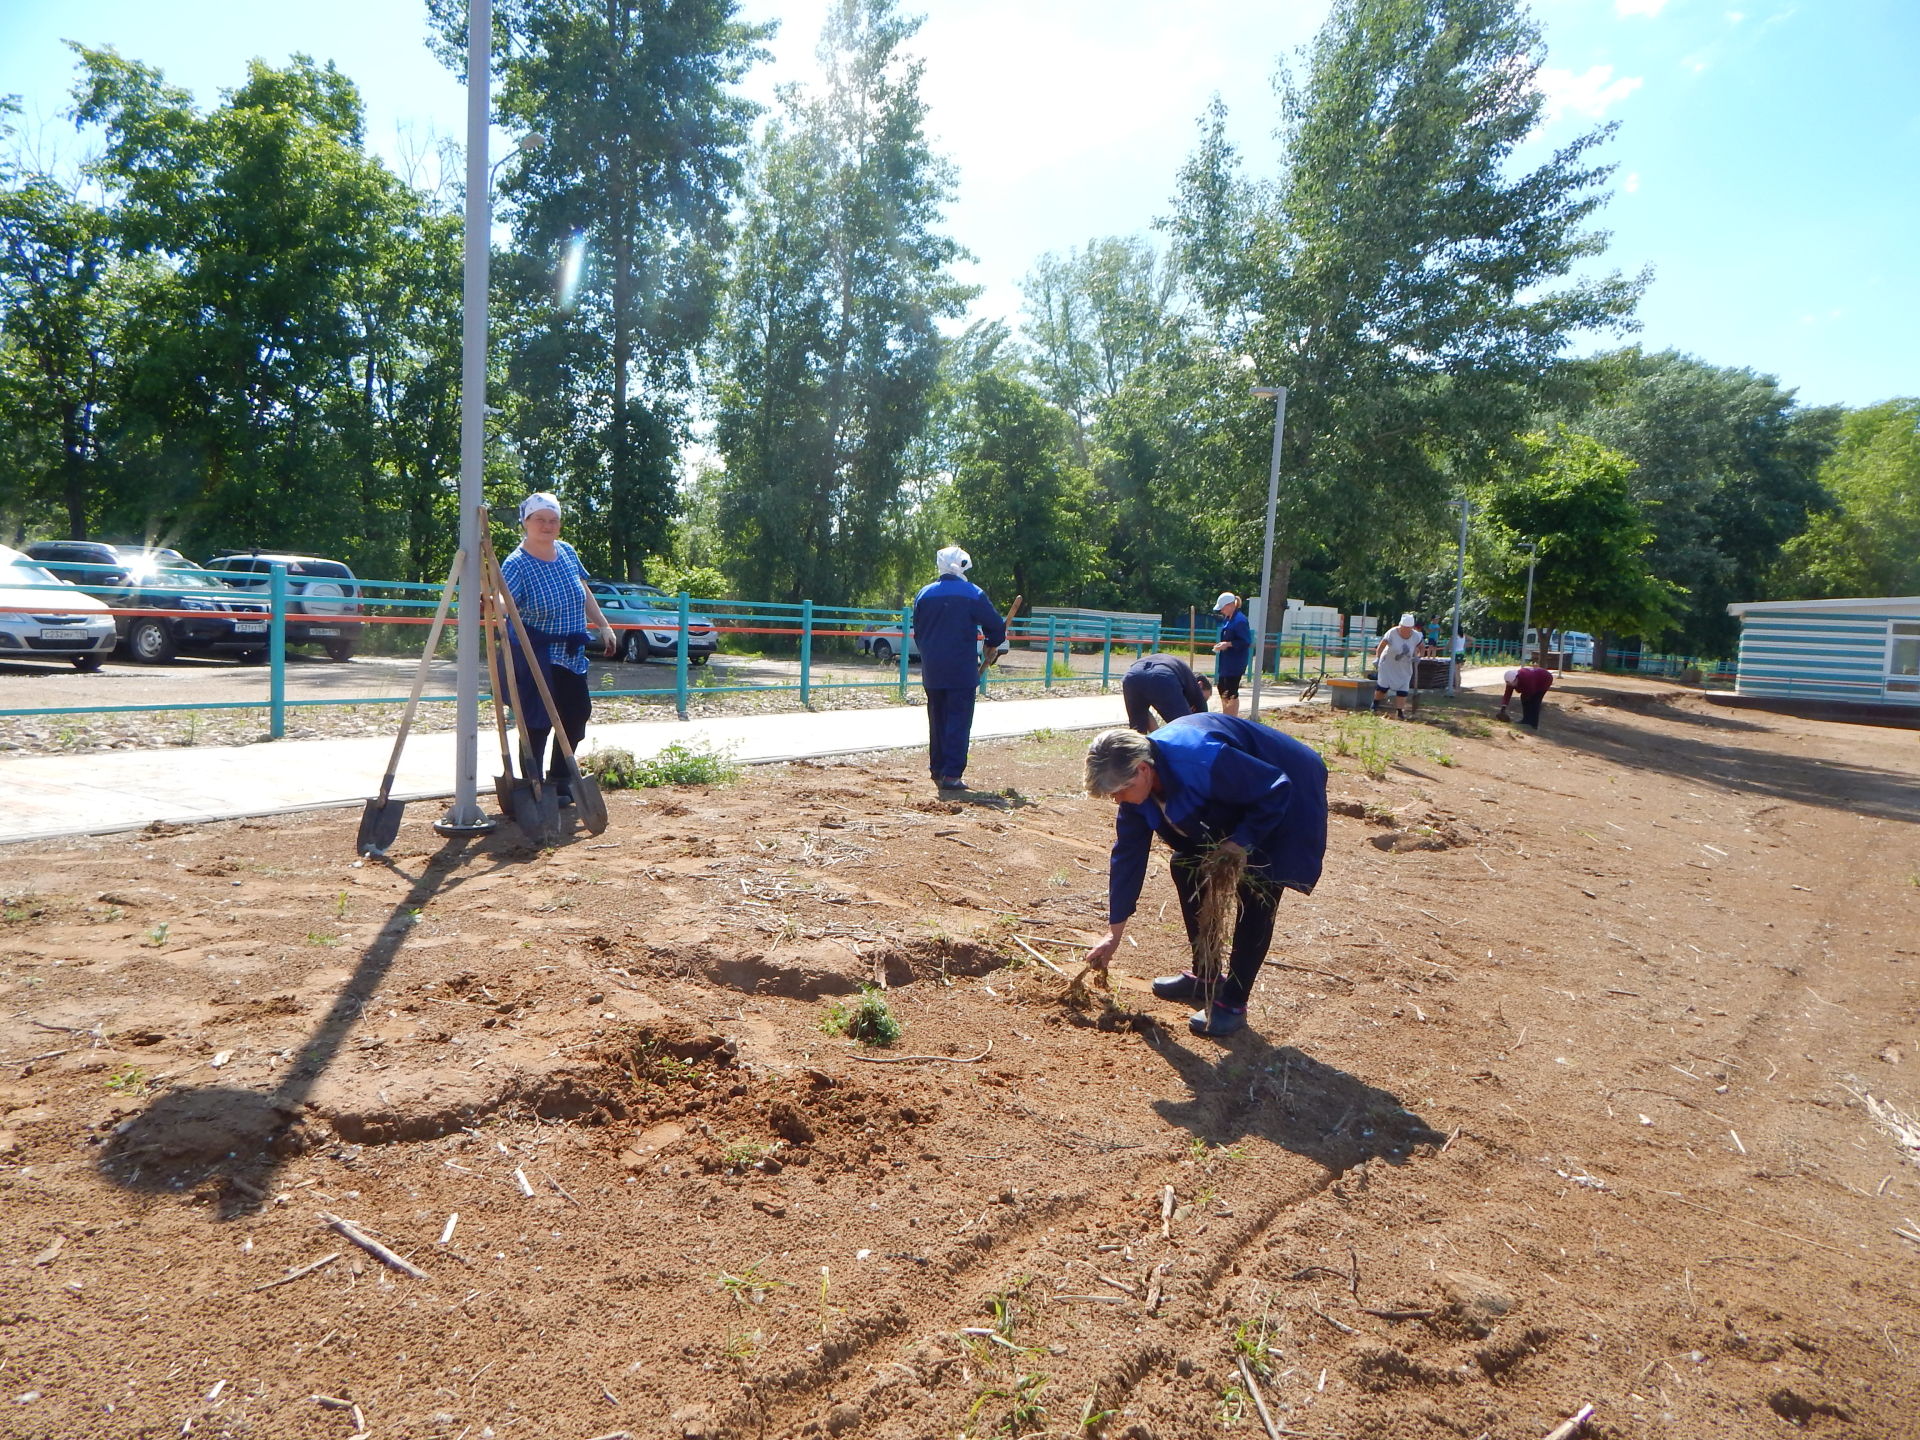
(1163, 684)
(1199, 782)
(949, 617)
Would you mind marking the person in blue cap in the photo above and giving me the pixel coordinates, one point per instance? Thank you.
(950, 617)
(1231, 653)
(1204, 782)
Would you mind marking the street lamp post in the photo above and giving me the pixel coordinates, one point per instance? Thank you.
(1526, 624)
(466, 817)
(1459, 594)
(1277, 394)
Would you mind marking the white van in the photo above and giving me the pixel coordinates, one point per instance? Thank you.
(1578, 645)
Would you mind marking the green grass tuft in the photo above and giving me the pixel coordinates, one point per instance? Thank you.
(677, 764)
(869, 1019)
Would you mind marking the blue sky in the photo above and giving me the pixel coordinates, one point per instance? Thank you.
(1768, 151)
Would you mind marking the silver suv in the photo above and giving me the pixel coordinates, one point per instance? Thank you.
(323, 597)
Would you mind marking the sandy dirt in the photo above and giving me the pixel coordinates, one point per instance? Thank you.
(1562, 1099)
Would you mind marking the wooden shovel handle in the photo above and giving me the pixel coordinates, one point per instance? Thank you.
(420, 674)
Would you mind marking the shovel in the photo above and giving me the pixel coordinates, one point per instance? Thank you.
(1012, 610)
(587, 798)
(534, 806)
(505, 782)
(380, 821)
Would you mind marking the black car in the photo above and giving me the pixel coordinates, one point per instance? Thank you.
(323, 597)
(206, 617)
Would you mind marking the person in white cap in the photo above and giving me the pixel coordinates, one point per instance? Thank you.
(949, 617)
(1231, 652)
(1394, 660)
(549, 585)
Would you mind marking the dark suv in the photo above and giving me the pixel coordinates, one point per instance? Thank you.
(206, 616)
(323, 597)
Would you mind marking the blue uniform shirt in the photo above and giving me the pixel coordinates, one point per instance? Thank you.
(947, 617)
(1225, 778)
(1231, 663)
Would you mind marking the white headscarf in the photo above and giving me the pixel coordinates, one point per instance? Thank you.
(954, 561)
(538, 501)
(1407, 619)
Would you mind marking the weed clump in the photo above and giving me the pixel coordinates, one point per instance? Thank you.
(869, 1019)
(676, 764)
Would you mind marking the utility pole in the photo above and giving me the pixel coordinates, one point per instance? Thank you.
(466, 817)
(1277, 394)
(1459, 594)
(1526, 624)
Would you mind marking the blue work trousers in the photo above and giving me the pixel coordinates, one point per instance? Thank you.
(949, 727)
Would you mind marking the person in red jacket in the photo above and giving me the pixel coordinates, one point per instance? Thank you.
(1531, 682)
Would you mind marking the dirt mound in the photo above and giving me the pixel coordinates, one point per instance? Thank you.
(1563, 1104)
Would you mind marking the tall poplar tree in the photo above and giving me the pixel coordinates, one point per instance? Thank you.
(1406, 281)
(620, 219)
(828, 355)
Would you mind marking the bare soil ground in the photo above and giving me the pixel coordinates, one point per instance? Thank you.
(1560, 1099)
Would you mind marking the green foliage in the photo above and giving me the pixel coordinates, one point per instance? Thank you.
(1017, 498)
(1405, 278)
(828, 350)
(1725, 474)
(869, 1019)
(1868, 544)
(1572, 494)
(676, 764)
(621, 220)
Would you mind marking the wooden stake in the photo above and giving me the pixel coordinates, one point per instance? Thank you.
(1571, 1426)
(302, 1272)
(944, 1059)
(1038, 956)
(348, 1230)
(1166, 1213)
(1259, 1400)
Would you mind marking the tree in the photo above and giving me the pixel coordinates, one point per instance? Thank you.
(1093, 318)
(258, 228)
(1403, 278)
(59, 308)
(1868, 543)
(1574, 497)
(1725, 471)
(828, 353)
(624, 204)
(1018, 500)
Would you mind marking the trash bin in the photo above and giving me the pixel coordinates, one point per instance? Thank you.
(1431, 673)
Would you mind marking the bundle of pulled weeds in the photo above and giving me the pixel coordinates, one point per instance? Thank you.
(1217, 876)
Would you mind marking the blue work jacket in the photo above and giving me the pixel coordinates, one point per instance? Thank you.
(947, 618)
(1224, 778)
(1231, 663)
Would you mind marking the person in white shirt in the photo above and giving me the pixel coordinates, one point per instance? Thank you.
(1394, 662)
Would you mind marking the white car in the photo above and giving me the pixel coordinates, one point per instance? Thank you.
(1577, 643)
(58, 622)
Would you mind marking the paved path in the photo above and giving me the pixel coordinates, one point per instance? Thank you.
(54, 795)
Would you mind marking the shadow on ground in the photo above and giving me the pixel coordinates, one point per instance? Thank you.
(194, 1134)
(1250, 1087)
(1834, 784)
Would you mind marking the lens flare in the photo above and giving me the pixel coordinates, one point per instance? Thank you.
(573, 261)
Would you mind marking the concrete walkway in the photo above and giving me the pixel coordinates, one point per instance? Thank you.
(46, 796)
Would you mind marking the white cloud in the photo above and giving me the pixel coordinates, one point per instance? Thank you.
(1632, 183)
(1734, 17)
(1591, 93)
(1648, 8)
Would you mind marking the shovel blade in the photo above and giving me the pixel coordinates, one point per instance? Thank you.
(589, 803)
(537, 815)
(503, 787)
(379, 825)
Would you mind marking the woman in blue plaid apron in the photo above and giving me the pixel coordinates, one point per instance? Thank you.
(549, 585)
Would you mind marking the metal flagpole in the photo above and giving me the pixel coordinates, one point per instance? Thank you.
(466, 817)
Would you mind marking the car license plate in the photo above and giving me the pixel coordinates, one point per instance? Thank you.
(322, 630)
(63, 635)
(249, 627)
